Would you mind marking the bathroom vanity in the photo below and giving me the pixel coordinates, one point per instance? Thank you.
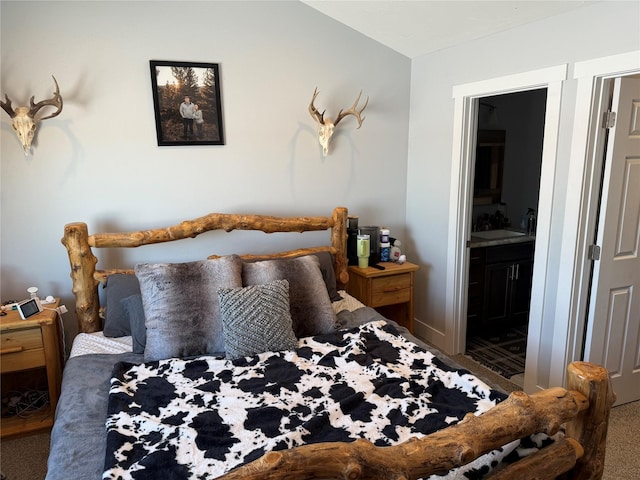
(500, 273)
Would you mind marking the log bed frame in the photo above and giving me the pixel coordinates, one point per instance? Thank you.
(581, 411)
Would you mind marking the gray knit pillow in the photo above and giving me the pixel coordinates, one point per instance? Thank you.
(180, 300)
(256, 319)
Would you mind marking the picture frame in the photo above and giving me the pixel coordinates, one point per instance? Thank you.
(177, 120)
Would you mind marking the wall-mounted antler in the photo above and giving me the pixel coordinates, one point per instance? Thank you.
(23, 119)
(327, 126)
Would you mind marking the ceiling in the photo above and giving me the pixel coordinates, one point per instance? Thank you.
(418, 27)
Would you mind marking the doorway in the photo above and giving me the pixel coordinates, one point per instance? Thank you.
(466, 103)
(506, 186)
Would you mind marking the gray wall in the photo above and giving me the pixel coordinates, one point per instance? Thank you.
(564, 39)
(99, 162)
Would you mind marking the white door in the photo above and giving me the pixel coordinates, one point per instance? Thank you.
(613, 332)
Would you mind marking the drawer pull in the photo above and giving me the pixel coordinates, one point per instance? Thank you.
(391, 289)
(15, 349)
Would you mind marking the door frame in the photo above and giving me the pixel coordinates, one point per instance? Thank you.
(466, 98)
(580, 221)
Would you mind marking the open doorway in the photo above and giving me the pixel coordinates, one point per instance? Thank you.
(541, 314)
(506, 187)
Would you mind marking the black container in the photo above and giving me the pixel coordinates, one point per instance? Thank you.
(352, 246)
(352, 237)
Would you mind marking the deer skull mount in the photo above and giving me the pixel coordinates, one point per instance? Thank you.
(326, 126)
(23, 119)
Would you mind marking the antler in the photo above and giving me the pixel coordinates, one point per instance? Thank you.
(55, 101)
(6, 106)
(353, 111)
(317, 116)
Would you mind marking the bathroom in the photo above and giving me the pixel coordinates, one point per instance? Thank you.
(506, 188)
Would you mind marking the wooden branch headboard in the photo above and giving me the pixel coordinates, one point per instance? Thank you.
(86, 277)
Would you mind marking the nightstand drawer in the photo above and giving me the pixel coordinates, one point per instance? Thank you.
(21, 349)
(391, 298)
(392, 283)
(391, 290)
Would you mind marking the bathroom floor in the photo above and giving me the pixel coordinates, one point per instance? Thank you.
(503, 352)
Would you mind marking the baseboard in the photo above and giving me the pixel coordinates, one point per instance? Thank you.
(428, 334)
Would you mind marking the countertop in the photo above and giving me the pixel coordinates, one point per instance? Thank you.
(477, 242)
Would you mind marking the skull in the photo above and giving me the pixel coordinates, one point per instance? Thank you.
(24, 127)
(23, 119)
(325, 132)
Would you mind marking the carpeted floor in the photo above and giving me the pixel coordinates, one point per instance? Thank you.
(25, 458)
(503, 353)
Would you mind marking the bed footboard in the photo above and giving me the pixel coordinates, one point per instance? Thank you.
(583, 410)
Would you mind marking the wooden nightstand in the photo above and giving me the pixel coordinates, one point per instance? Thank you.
(389, 291)
(31, 358)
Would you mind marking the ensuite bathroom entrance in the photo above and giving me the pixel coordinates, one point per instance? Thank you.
(506, 186)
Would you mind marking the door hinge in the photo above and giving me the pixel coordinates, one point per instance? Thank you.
(594, 252)
(609, 120)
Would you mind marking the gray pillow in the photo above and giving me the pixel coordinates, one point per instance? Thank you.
(133, 308)
(256, 319)
(311, 310)
(328, 274)
(117, 287)
(181, 309)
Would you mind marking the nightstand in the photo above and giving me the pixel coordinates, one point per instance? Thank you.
(30, 359)
(389, 291)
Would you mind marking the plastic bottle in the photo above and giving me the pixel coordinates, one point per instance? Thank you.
(531, 222)
(385, 246)
(385, 250)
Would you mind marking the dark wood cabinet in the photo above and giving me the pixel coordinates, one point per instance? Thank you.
(475, 297)
(499, 286)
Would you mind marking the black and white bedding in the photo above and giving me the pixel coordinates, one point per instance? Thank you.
(78, 439)
(199, 418)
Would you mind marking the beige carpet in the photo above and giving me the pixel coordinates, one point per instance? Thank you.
(623, 449)
(25, 458)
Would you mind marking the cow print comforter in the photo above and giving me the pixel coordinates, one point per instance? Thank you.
(199, 418)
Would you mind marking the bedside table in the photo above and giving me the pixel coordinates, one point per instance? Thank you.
(389, 291)
(30, 359)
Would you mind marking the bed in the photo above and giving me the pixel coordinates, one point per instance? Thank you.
(276, 372)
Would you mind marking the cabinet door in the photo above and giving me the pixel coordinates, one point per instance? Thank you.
(475, 293)
(497, 280)
(521, 292)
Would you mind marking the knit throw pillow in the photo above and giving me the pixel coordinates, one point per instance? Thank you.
(256, 319)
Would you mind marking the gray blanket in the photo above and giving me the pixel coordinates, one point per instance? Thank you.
(78, 438)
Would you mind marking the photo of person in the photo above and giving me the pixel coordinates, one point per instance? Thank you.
(187, 110)
(199, 121)
(182, 92)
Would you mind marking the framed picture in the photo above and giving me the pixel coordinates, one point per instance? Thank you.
(186, 99)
